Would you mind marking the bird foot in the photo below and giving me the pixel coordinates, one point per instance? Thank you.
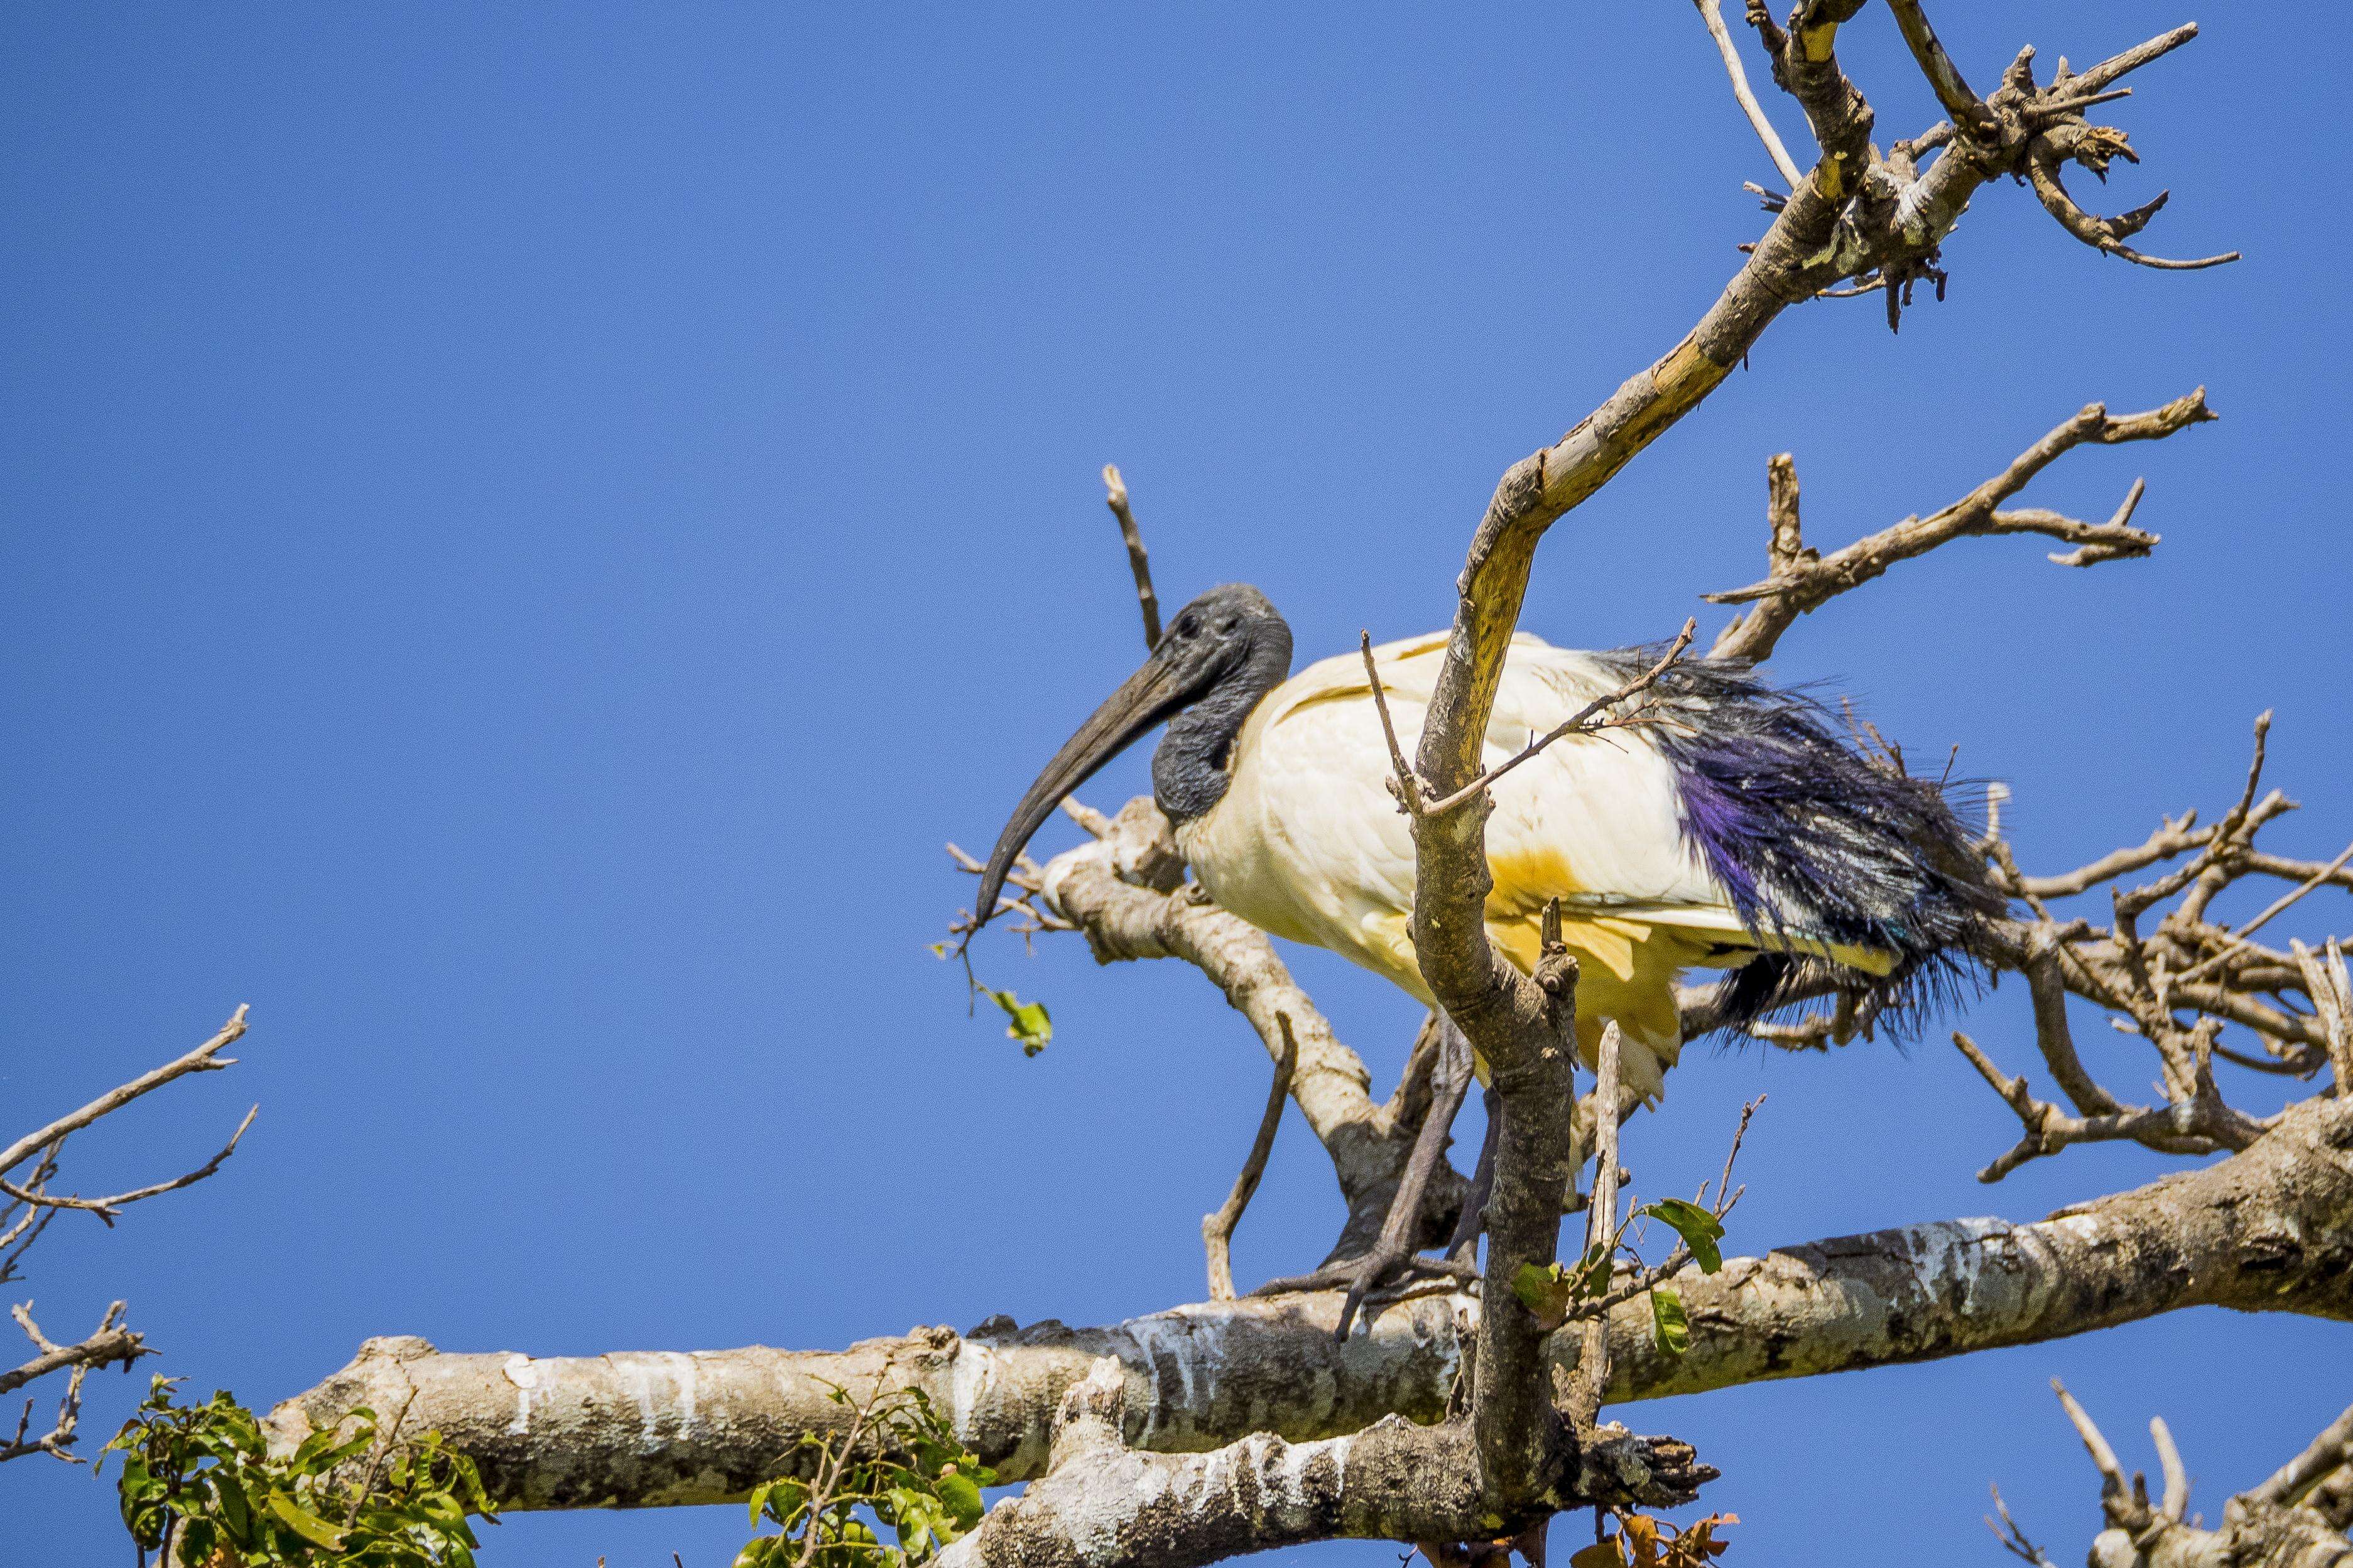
(1377, 1276)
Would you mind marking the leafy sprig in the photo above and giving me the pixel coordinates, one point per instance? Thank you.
(199, 1481)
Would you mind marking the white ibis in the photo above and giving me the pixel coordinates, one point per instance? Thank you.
(1741, 834)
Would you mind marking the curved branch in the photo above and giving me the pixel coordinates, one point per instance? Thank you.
(1095, 886)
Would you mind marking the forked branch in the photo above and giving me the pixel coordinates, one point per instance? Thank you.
(1802, 581)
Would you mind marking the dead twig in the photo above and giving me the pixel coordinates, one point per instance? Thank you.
(1115, 497)
(1218, 1229)
(1579, 724)
(1802, 580)
(1712, 13)
(205, 1058)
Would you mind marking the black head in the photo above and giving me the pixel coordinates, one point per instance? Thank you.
(1220, 654)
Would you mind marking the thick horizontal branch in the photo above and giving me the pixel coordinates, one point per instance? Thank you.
(2267, 1230)
(1107, 1505)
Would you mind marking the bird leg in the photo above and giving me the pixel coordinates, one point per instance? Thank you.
(1393, 1254)
(1463, 1246)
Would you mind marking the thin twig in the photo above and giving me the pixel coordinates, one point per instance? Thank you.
(376, 1460)
(2278, 905)
(2013, 1540)
(1115, 497)
(1601, 1228)
(1576, 724)
(1407, 784)
(1712, 13)
(107, 1208)
(203, 1058)
(1218, 1229)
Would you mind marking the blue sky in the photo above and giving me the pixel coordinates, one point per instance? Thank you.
(527, 526)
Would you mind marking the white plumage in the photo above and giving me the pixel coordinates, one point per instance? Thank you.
(1737, 824)
(1307, 842)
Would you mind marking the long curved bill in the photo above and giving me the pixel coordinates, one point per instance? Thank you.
(1152, 694)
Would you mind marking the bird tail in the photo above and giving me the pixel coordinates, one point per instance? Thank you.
(1816, 841)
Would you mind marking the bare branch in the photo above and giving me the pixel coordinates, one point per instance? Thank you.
(1966, 108)
(109, 1344)
(2117, 67)
(1115, 497)
(2270, 1523)
(2195, 1126)
(2293, 1481)
(2103, 234)
(203, 1058)
(2332, 1002)
(1218, 1229)
(2104, 1458)
(1601, 1230)
(1712, 13)
(1802, 582)
(2012, 1538)
(1403, 784)
(107, 1208)
(2267, 1230)
(2176, 1479)
(1579, 724)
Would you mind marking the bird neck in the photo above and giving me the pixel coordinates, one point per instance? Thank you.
(1194, 763)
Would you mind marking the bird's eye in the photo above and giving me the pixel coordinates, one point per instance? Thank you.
(1186, 627)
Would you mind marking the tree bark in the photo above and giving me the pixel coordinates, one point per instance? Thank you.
(2267, 1230)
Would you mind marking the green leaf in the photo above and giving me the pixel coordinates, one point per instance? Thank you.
(1545, 1292)
(229, 1502)
(1700, 1229)
(962, 1499)
(305, 1523)
(1668, 1324)
(1601, 1554)
(1032, 1026)
(756, 1552)
(1549, 1293)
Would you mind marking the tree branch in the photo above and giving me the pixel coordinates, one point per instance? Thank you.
(1119, 891)
(109, 1344)
(2268, 1525)
(203, 1058)
(2267, 1230)
(1712, 13)
(1115, 497)
(1802, 582)
(1218, 1229)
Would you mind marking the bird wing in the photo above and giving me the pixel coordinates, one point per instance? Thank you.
(1593, 820)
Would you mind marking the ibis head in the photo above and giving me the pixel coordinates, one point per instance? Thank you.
(1220, 656)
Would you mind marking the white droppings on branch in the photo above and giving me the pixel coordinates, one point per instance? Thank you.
(973, 1380)
(520, 1373)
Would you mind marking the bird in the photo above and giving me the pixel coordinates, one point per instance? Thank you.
(1733, 829)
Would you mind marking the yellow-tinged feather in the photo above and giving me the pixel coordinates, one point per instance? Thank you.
(1307, 843)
